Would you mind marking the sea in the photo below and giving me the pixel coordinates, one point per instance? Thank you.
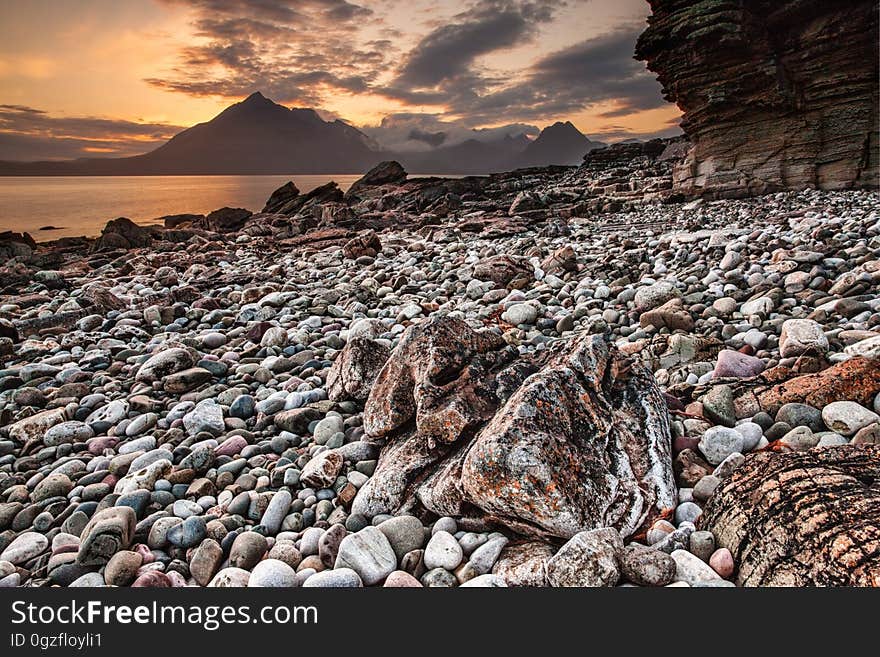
(82, 205)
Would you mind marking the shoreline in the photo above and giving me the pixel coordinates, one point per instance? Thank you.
(457, 382)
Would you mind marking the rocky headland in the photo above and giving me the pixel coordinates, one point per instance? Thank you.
(563, 376)
(775, 94)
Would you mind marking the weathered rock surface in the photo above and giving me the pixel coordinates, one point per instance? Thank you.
(356, 368)
(582, 444)
(802, 519)
(856, 379)
(775, 95)
(505, 271)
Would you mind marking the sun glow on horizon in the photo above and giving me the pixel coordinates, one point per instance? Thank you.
(175, 63)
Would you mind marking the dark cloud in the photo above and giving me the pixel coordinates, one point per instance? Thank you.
(404, 132)
(27, 133)
(449, 51)
(294, 51)
(441, 68)
(433, 139)
(564, 82)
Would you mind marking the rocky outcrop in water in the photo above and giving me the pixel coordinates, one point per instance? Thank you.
(775, 95)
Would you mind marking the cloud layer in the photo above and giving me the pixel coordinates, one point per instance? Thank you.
(311, 51)
(413, 74)
(31, 134)
(291, 50)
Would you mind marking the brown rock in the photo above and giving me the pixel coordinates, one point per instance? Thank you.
(430, 377)
(321, 471)
(226, 220)
(775, 95)
(690, 467)
(671, 315)
(801, 518)
(366, 244)
(296, 420)
(123, 233)
(355, 369)
(384, 173)
(856, 379)
(206, 560)
(524, 564)
(505, 271)
(281, 196)
(582, 444)
(109, 531)
(561, 260)
(122, 568)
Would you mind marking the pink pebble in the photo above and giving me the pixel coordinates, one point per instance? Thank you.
(177, 580)
(737, 365)
(401, 579)
(99, 444)
(152, 579)
(681, 443)
(231, 446)
(722, 562)
(145, 552)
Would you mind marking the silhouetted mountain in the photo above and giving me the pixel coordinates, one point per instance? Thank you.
(258, 136)
(255, 136)
(560, 143)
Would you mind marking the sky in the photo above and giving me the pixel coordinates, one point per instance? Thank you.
(89, 78)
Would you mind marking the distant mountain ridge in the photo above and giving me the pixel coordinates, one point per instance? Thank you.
(258, 136)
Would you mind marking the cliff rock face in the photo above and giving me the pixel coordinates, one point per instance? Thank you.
(776, 94)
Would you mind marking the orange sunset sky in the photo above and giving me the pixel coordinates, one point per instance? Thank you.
(119, 77)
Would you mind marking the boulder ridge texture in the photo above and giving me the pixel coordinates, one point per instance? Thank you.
(775, 95)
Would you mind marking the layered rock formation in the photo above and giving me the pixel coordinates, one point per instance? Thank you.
(802, 519)
(775, 95)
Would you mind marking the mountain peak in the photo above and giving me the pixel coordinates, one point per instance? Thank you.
(560, 143)
(561, 128)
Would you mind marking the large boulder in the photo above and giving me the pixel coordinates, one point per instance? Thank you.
(281, 196)
(226, 220)
(801, 518)
(505, 271)
(384, 173)
(582, 443)
(327, 193)
(16, 245)
(356, 368)
(123, 233)
(172, 221)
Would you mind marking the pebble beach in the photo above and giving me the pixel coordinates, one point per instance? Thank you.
(222, 402)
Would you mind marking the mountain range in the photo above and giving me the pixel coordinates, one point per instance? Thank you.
(259, 136)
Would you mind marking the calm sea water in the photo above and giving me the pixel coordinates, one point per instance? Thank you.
(81, 205)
